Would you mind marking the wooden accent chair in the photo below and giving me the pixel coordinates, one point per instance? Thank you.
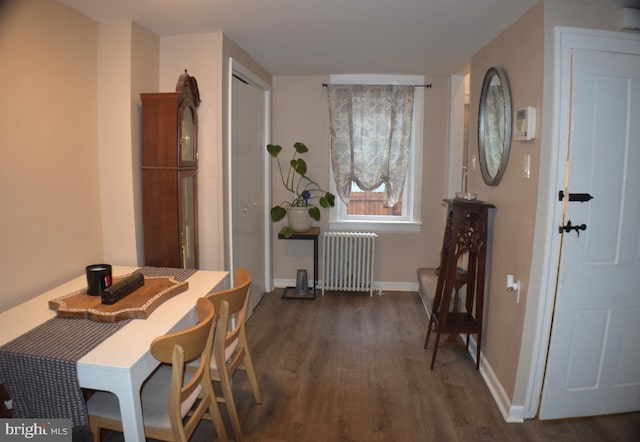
(173, 401)
(231, 351)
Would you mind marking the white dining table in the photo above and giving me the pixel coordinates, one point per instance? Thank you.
(122, 362)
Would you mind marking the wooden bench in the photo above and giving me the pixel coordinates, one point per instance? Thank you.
(427, 281)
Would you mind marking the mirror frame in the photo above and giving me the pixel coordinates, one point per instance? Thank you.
(483, 149)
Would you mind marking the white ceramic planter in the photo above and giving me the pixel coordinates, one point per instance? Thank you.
(299, 219)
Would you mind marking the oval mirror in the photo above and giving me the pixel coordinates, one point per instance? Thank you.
(494, 125)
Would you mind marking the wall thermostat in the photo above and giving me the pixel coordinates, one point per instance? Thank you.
(525, 124)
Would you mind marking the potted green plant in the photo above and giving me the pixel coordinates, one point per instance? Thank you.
(303, 190)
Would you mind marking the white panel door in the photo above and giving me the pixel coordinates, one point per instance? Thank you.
(593, 363)
(246, 178)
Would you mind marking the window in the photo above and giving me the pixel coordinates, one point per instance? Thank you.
(371, 202)
(366, 209)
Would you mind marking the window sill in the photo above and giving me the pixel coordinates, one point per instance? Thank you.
(377, 226)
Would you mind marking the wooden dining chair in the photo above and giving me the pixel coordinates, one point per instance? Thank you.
(173, 402)
(231, 350)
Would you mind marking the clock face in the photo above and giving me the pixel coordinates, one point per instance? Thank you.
(187, 136)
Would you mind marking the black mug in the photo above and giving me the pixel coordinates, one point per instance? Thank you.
(98, 278)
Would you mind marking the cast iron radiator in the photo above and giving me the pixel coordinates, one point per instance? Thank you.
(347, 259)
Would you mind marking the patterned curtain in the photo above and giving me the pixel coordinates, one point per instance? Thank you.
(370, 138)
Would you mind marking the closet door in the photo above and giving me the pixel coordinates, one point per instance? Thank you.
(247, 179)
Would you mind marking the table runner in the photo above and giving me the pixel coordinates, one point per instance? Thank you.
(39, 367)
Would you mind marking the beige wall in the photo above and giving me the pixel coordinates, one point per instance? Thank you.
(301, 113)
(200, 54)
(49, 176)
(145, 72)
(127, 60)
(205, 56)
(514, 197)
(525, 52)
(231, 49)
(71, 188)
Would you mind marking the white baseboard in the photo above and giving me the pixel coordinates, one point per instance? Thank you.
(396, 286)
(377, 285)
(510, 413)
(281, 283)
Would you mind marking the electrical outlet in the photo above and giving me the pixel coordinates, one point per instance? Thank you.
(513, 286)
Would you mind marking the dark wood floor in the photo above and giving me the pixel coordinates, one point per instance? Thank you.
(347, 367)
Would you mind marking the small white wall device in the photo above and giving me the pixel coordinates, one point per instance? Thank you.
(525, 124)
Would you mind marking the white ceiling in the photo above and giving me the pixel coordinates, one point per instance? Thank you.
(298, 37)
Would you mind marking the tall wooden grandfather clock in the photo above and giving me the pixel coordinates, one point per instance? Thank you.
(169, 175)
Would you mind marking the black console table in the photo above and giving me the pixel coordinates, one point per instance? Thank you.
(312, 235)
